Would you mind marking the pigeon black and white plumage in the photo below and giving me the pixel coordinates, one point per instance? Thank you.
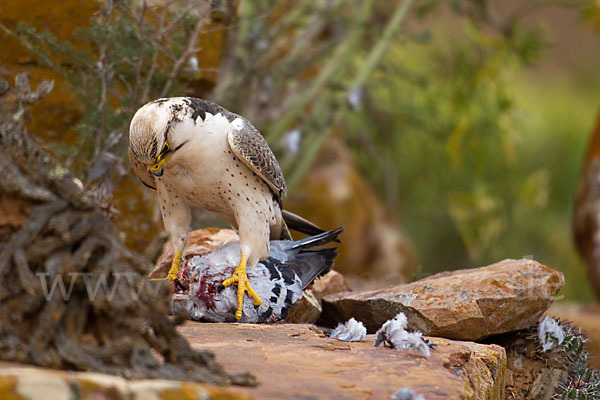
(278, 280)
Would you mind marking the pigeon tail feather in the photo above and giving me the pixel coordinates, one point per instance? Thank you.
(309, 263)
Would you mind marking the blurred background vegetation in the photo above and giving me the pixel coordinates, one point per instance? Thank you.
(469, 118)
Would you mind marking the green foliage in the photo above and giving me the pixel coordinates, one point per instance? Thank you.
(476, 171)
(591, 13)
(443, 117)
(293, 70)
(127, 55)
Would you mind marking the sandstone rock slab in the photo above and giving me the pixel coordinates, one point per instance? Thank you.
(23, 382)
(465, 304)
(330, 283)
(308, 309)
(297, 361)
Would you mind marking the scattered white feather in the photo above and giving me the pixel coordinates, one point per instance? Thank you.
(355, 97)
(393, 333)
(262, 44)
(351, 331)
(193, 63)
(237, 124)
(291, 141)
(407, 393)
(550, 333)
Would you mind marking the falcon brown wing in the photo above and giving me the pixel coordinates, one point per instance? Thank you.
(247, 144)
(250, 147)
(141, 171)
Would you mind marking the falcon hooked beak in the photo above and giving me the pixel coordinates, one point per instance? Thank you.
(159, 168)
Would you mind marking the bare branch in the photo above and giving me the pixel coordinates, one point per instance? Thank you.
(158, 39)
(29, 46)
(176, 70)
(140, 58)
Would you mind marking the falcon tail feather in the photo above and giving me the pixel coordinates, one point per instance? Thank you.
(309, 263)
(297, 223)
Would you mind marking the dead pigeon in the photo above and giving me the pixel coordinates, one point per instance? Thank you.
(278, 280)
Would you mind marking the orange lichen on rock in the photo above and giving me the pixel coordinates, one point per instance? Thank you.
(55, 115)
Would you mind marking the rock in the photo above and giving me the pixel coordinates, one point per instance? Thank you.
(586, 210)
(464, 304)
(333, 194)
(295, 361)
(200, 242)
(306, 311)
(586, 317)
(330, 283)
(22, 382)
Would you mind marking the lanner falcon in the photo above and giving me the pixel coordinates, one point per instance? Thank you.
(196, 153)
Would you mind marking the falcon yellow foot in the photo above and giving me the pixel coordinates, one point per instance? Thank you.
(173, 271)
(240, 278)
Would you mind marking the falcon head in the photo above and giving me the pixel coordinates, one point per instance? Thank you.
(158, 130)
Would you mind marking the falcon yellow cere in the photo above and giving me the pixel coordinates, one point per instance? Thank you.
(159, 168)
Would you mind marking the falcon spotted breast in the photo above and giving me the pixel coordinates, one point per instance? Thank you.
(196, 153)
